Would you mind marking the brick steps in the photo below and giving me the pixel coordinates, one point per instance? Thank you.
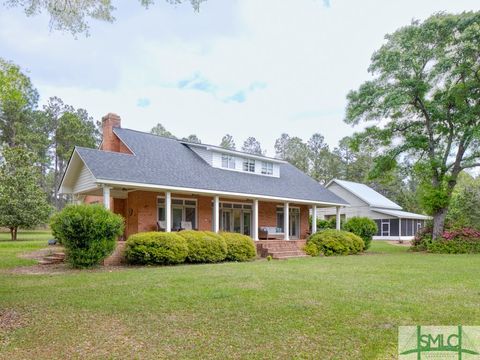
(281, 249)
(55, 258)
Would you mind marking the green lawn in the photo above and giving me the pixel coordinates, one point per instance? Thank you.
(320, 308)
(27, 241)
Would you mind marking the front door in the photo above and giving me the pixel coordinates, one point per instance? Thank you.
(177, 218)
(294, 223)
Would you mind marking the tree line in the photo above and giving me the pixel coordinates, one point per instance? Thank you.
(315, 158)
(421, 110)
(35, 146)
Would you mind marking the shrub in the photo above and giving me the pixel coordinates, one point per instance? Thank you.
(156, 248)
(88, 232)
(459, 241)
(422, 239)
(358, 244)
(239, 247)
(311, 249)
(361, 226)
(336, 242)
(204, 247)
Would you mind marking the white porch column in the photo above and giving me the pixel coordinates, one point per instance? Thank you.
(338, 218)
(286, 218)
(399, 229)
(255, 219)
(168, 211)
(216, 214)
(106, 197)
(314, 219)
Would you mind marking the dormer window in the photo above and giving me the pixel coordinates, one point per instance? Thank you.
(267, 168)
(249, 165)
(228, 162)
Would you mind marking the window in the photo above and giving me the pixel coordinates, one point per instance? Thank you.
(228, 162)
(267, 168)
(249, 165)
(182, 210)
(280, 219)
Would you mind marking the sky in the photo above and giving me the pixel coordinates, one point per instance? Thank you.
(243, 67)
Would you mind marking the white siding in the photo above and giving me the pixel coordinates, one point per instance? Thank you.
(85, 181)
(217, 162)
(360, 211)
(347, 195)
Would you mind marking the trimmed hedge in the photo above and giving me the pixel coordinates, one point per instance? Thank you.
(156, 248)
(364, 227)
(88, 232)
(239, 247)
(204, 247)
(335, 242)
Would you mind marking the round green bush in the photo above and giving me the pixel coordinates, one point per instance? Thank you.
(361, 226)
(357, 245)
(156, 248)
(204, 247)
(239, 247)
(336, 242)
(88, 232)
(311, 249)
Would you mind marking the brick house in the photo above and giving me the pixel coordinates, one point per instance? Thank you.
(153, 181)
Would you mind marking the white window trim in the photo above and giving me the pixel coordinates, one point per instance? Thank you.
(230, 161)
(267, 168)
(249, 162)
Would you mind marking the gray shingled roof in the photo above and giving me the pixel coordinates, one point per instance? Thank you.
(167, 162)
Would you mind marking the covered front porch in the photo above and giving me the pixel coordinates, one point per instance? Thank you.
(262, 218)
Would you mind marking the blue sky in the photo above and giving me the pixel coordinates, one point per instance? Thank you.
(244, 67)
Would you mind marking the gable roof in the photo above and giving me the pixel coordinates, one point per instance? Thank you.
(367, 194)
(162, 161)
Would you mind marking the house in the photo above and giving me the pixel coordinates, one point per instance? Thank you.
(393, 223)
(158, 182)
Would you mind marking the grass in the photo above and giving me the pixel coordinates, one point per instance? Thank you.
(27, 241)
(321, 308)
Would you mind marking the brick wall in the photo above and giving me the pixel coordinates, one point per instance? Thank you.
(140, 211)
(110, 141)
(267, 216)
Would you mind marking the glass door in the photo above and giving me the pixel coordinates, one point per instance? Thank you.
(237, 221)
(246, 223)
(294, 223)
(177, 215)
(226, 220)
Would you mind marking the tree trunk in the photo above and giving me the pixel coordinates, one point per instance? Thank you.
(439, 223)
(13, 233)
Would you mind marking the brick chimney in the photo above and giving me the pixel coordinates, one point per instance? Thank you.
(110, 141)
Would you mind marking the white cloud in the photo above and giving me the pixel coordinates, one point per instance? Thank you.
(248, 68)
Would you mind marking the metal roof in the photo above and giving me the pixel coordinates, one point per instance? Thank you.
(401, 214)
(367, 194)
